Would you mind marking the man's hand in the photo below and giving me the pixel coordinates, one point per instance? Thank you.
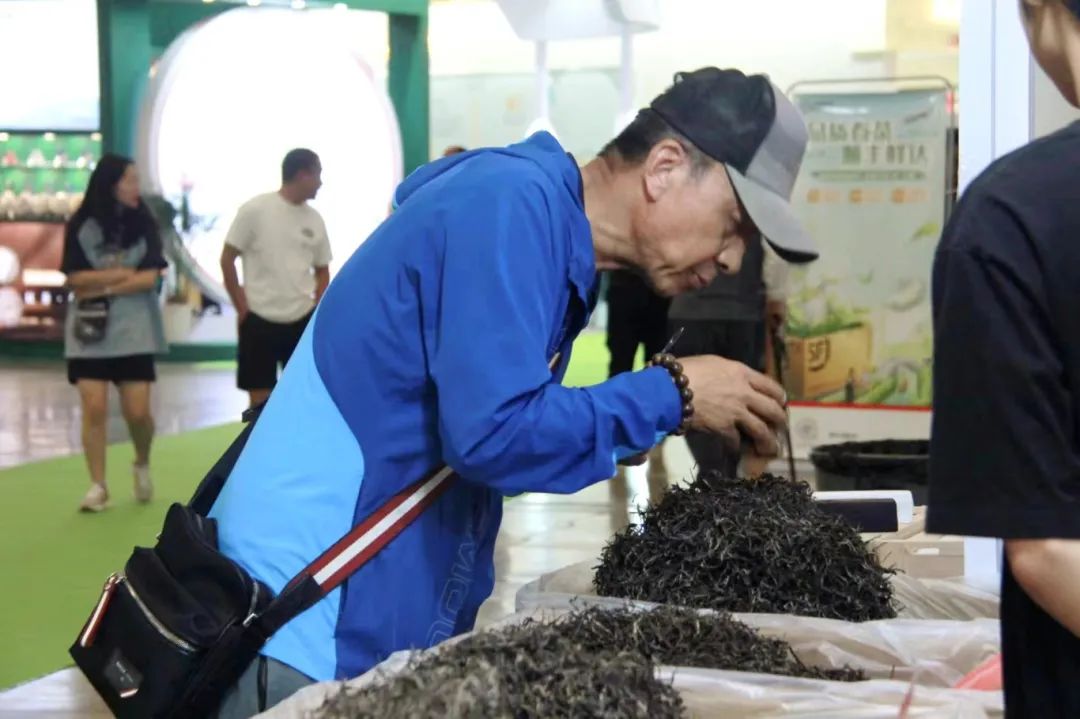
(754, 466)
(232, 282)
(730, 398)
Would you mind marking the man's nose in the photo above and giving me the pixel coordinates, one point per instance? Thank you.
(729, 261)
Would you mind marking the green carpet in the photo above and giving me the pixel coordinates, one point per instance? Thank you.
(55, 560)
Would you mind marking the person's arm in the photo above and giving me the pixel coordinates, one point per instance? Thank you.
(98, 279)
(1049, 572)
(232, 281)
(238, 239)
(323, 257)
(83, 264)
(502, 420)
(322, 281)
(1003, 461)
(129, 280)
(135, 282)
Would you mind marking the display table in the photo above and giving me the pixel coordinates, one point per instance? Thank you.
(63, 694)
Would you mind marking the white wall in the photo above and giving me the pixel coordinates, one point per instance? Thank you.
(472, 37)
(49, 61)
(773, 36)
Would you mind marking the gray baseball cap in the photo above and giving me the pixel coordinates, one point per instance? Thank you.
(749, 125)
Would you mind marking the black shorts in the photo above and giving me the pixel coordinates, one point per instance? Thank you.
(262, 346)
(129, 368)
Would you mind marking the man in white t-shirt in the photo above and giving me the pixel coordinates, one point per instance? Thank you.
(285, 252)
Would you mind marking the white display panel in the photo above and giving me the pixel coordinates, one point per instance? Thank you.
(49, 57)
(231, 96)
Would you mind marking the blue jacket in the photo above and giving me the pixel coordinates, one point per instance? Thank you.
(432, 345)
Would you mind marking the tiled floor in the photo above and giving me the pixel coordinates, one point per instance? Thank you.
(540, 533)
(40, 414)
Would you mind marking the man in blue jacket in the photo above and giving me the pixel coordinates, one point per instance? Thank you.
(433, 344)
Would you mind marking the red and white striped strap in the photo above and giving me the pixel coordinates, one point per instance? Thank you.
(361, 544)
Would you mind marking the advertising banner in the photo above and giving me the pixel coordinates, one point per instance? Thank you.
(873, 192)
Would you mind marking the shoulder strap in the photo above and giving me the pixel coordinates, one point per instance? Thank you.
(353, 551)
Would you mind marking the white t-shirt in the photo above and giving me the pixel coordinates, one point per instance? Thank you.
(279, 244)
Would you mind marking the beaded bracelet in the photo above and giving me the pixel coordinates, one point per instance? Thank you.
(682, 383)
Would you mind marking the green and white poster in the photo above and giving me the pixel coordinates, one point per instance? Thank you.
(873, 193)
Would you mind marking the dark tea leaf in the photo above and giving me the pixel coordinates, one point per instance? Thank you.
(677, 636)
(530, 671)
(742, 545)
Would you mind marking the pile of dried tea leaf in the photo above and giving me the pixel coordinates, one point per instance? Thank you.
(590, 662)
(677, 636)
(744, 545)
(534, 670)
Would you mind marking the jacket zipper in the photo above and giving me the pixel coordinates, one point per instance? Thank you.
(161, 628)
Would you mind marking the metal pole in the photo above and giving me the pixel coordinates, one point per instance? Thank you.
(626, 73)
(543, 81)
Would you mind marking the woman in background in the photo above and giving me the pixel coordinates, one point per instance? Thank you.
(113, 260)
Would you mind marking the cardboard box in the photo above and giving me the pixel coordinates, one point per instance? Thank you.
(823, 364)
(924, 556)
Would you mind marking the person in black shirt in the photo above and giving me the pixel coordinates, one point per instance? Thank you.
(1005, 442)
(637, 317)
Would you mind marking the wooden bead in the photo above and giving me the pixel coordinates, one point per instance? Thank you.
(682, 381)
(676, 368)
(688, 409)
(687, 394)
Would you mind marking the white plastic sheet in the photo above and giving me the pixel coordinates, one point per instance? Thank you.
(920, 646)
(714, 694)
(915, 598)
(709, 694)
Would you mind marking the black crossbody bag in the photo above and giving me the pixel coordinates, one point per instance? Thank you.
(174, 631)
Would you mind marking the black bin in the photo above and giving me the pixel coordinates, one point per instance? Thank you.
(898, 464)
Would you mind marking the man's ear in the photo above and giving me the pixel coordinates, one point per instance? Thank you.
(666, 160)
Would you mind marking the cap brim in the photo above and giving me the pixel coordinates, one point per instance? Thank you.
(775, 219)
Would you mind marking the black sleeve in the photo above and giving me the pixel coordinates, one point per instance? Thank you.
(1003, 460)
(73, 259)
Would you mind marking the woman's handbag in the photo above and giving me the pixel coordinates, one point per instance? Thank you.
(91, 320)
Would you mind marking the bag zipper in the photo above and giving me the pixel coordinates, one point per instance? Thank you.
(161, 628)
(254, 602)
(98, 615)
